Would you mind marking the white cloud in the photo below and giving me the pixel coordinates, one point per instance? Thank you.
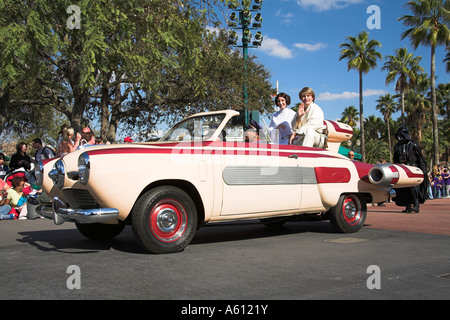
(275, 47)
(324, 5)
(337, 96)
(310, 47)
(285, 17)
(348, 95)
(374, 92)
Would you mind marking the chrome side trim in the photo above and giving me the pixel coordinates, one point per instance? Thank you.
(246, 175)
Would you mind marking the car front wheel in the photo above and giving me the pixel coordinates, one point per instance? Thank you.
(349, 214)
(164, 220)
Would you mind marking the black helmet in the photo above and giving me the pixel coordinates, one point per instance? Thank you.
(402, 135)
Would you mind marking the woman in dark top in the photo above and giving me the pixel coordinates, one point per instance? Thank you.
(20, 159)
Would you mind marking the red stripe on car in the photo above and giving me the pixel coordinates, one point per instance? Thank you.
(332, 175)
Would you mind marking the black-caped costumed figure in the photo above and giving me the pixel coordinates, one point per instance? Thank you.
(408, 153)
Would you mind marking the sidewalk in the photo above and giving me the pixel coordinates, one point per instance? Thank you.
(434, 218)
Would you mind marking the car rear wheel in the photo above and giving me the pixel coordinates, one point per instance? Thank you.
(164, 220)
(349, 214)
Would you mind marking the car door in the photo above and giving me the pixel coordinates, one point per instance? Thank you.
(259, 179)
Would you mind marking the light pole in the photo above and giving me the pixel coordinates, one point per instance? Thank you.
(244, 22)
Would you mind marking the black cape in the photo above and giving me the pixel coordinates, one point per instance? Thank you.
(414, 157)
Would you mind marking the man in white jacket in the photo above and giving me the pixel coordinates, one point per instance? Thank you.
(310, 120)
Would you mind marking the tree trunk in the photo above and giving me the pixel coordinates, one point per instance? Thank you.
(433, 107)
(104, 111)
(361, 115)
(403, 107)
(389, 139)
(81, 96)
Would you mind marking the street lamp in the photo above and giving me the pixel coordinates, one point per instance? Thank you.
(245, 24)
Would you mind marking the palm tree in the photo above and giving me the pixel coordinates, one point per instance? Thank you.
(376, 150)
(443, 101)
(373, 126)
(362, 56)
(418, 105)
(350, 116)
(406, 67)
(387, 106)
(429, 26)
(447, 59)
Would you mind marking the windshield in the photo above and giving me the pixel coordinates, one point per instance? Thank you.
(195, 129)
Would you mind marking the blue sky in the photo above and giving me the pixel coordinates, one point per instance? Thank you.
(301, 48)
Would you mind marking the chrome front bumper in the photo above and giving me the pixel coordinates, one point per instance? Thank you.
(60, 213)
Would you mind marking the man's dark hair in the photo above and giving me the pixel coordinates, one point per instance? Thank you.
(37, 140)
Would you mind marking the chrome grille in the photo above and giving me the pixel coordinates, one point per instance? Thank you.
(80, 199)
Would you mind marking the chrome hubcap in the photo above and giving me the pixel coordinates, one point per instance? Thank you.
(350, 210)
(167, 220)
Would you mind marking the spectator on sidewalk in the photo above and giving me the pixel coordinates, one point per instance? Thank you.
(20, 159)
(17, 199)
(4, 168)
(42, 152)
(446, 184)
(5, 208)
(438, 186)
(67, 144)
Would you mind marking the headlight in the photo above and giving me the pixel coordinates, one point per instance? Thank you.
(84, 166)
(57, 174)
(39, 173)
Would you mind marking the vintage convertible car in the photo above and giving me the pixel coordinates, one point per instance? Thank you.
(203, 171)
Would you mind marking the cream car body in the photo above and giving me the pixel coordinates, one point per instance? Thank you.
(202, 171)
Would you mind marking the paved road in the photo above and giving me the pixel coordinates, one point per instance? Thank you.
(399, 256)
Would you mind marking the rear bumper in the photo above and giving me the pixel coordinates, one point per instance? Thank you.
(60, 213)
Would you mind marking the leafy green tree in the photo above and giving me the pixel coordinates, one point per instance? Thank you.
(429, 26)
(362, 56)
(127, 62)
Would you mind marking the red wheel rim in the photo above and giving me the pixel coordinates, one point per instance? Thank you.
(168, 220)
(352, 210)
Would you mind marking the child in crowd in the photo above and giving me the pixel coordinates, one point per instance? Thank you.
(5, 208)
(3, 167)
(437, 186)
(17, 198)
(446, 183)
